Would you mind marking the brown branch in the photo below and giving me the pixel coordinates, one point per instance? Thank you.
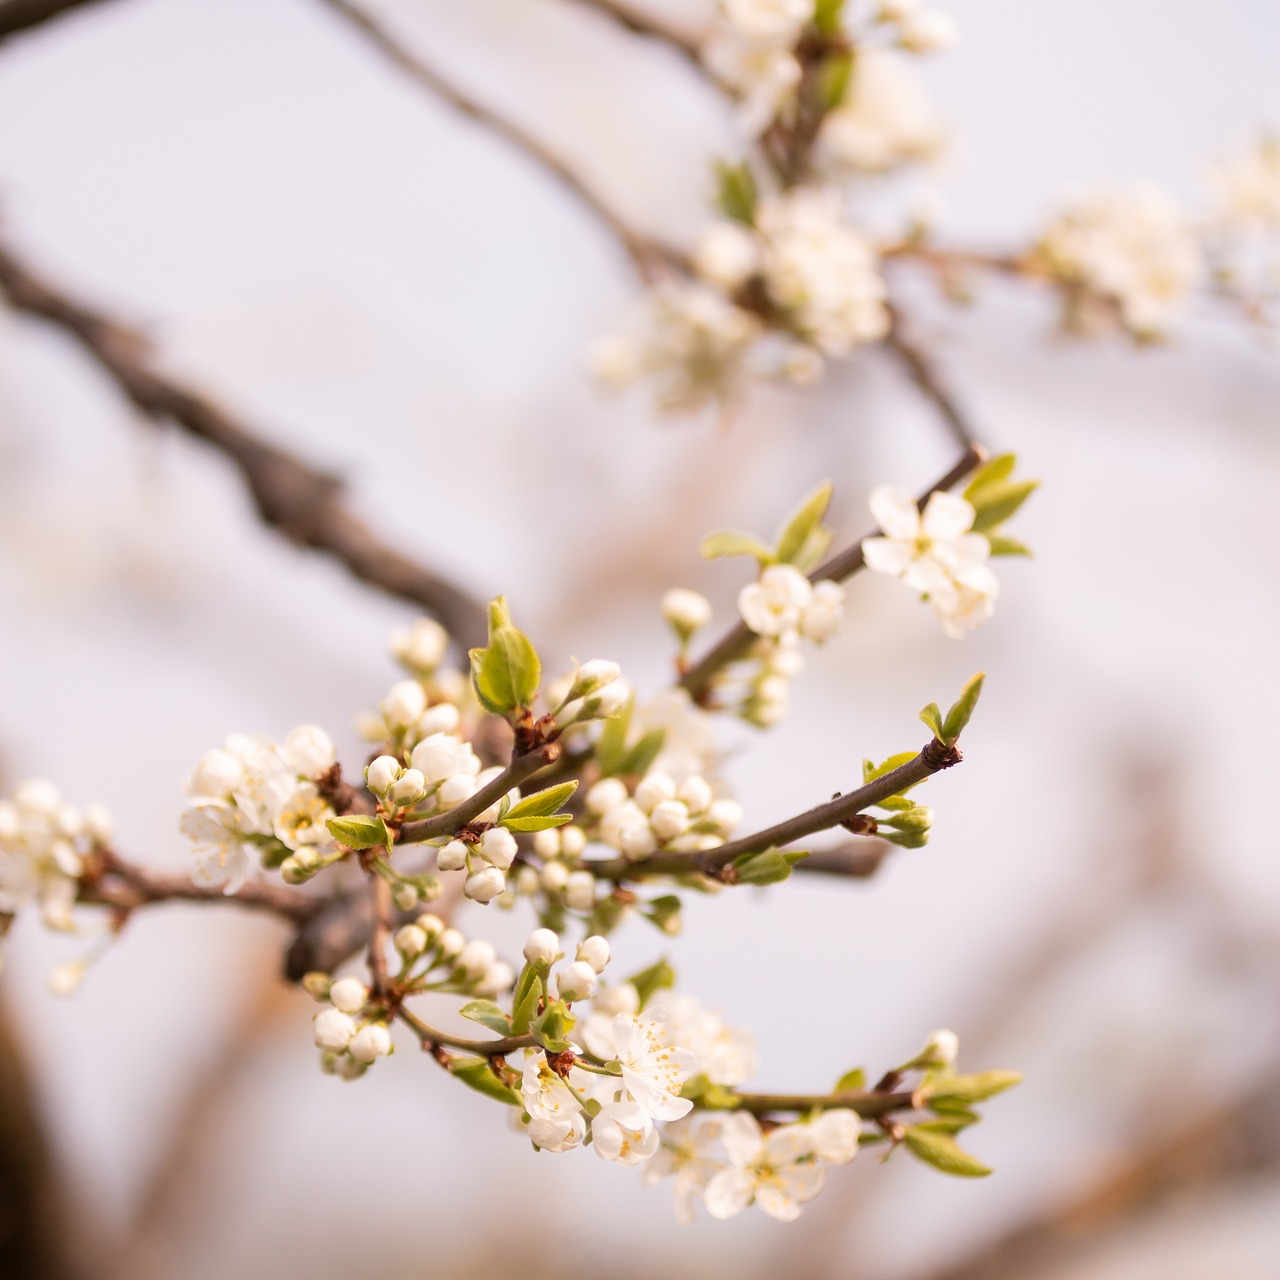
(736, 644)
(647, 255)
(929, 761)
(644, 24)
(853, 860)
(380, 934)
(293, 496)
(431, 1039)
(869, 1106)
(22, 15)
(921, 371)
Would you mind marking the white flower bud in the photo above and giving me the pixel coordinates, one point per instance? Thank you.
(942, 1048)
(333, 1030)
(442, 718)
(10, 824)
(572, 840)
(371, 727)
(554, 876)
(216, 776)
(498, 847)
(421, 646)
(348, 994)
(404, 704)
(443, 756)
(453, 791)
(669, 820)
(526, 881)
(542, 947)
(546, 844)
(67, 822)
(607, 794)
(309, 751)
(450, 944)
(370, 1043)
(98, 824)
(37, 797)
(685, 611)
(610, 700)
(476, 957)
(725, 815)
(576, 981)
(595, 952)
(637, 842)
(580, 891)
(348, 1068)
(453, 857)
(595, 675)
(381, 774)
(405, 896)
(653, 789)
(485, 885)
(431, 925)
(824, 614)
(498, 977)
(409, 788)
(726, 254)
(695, 794)
(410, 941)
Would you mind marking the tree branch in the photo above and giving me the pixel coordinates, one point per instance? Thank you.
(647, 255)
(22, 15)
(293, 496)
(932, 758)
(432, 1039)
(736, 644)
(921, 371)
(869, 1106)
(643, 24)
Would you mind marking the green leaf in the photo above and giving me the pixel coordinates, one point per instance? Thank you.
(358, 831)
(851, 1082)
(795, 539)
(728, 542)
(644, 753)
(941, 1151)
(487, 1014)
(834, 74)
(949, 1125)
(974, 1088)
(538, 823)
(995, 503)
(826, 16)
(961, 711)
(476, 1073)
(932, 717)
(543, 802)
(611, 749)
(654, 978)
(551, 1027)
(769, 867)
(993, 472)
(605, 916)
(663, 911)
(736, 194)
(1002, 546)
(506, 673)
(524, 1000)
(870, 771)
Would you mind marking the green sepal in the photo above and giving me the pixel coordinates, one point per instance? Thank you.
(961, 710)
(524, 1000)
(551, 1027)
(851, 1082)
(736, 192)
(729, 542)
(653, 979)
(967, 1089)
(359, 831)
(803, 541)
(487, 1014)
(478, 1075)
(942, 1152)
(273, 852)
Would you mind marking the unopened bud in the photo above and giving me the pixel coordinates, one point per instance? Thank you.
(595, 952)
(685, 611)
(370, 1043)
(410, 941)
(542, 947)
(381, 774)
(348, 994)
(485, 885)
(333, 1030)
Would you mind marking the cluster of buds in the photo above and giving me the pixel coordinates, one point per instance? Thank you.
(43, 845)
(351, 1032)
(486, 858)
(660, 815)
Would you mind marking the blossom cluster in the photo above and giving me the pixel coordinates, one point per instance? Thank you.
(660, 816)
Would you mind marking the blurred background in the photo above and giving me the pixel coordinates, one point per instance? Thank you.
(393, 291)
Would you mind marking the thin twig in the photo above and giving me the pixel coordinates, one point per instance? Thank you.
(869, 1106)
(929, 761)
(433, 1039)
(647, 255)
(645, 24)
(921, 371)
(736, 644)
(22, 15)
(293, 496)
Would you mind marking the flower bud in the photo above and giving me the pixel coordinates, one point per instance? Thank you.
(572, 840)
(371, 1042)
(348, 994)
(669, 819)
(653, 789)
(442, 756)
(607, 794)
(453, 857)
(476, 957)
(942, 1049)
(526, 881)
(595, 952)
(404, 704)
(580, 891)
(316, 985)
(695, 794)
(725, 815)
(450, 944)
(576, 981)
(309, 751)
(420, 646)
(637, 842)
(546, 844)
(431, 925)
(726, 254)
(409, 788)
(485, 885)
(453, 791)
(498, 847)
(609, 701)
(593, 676)
(928, 32)
(10, 824)
(216, 776)
(410, 941)
(348, 1068)
(333, 1030)
(405, 896)
(685, 611)
(542, 947)
(555, 876)
(442, 718)
(381, 774)
(498, 977)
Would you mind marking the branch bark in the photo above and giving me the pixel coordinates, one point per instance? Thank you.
(22, 15)
(299, 500)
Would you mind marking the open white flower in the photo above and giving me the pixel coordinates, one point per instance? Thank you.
(832, 1135)
(689, 1153)
(935, 553)
(556, 1119)
(773, 1171)
(653, 1069)
(723, 1054)
(301, 821)
(623, 1132)
(218, 830)
(774, 605)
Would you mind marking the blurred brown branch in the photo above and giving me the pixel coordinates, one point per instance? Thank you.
(21, 15)
(291, 494)
(645, 24)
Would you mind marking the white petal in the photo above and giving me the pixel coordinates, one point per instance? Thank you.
(884, 555)
(743, 1141)
(895, 511)
(947, 516)
(728, 1193)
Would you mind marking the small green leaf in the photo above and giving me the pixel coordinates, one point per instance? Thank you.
(358, 831)
(769, 867)
(487, 1014)
(796, 536)
(551, 1027)
(736, 194)
(538, 823)
(644, 753)
(506, 673)
(951, 1124)
(941, 1151)
(611, 749)
(664, 912)
(932, 717)
(524, 1000)
(826, 16)
(992, 472)
(605, 916)
(1002, 546)
(543, 802)
(476, 1073)
(851, 1082)
(871, 771)
(654, 978)
(974, 1088)
(995, 503)
(961, 711)
(834, 74)
(728, 542)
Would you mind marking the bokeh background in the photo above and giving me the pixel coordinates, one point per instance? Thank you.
(400, 295)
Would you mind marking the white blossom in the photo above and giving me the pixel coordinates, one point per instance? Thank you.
(442, 756)
(1247, 187)
(555, 1110)
(623, 1132)
(333, 1030)
(42, 847)
(300, 823)
(309, 751)
(688, 1153)
(724, 1054)
(773, 1170)
(484, 884)
(727, 254)
(218, 831)
(420, 646)
(371, 1042)
(653, 1068)
(404, 704)
(773, 606)
(832, 1135)
(498, 847)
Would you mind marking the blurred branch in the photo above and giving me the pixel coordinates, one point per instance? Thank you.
(647, 255)
(921, 371)
(645, 24)
(21, 15)
(736, 644)
(293, 496)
